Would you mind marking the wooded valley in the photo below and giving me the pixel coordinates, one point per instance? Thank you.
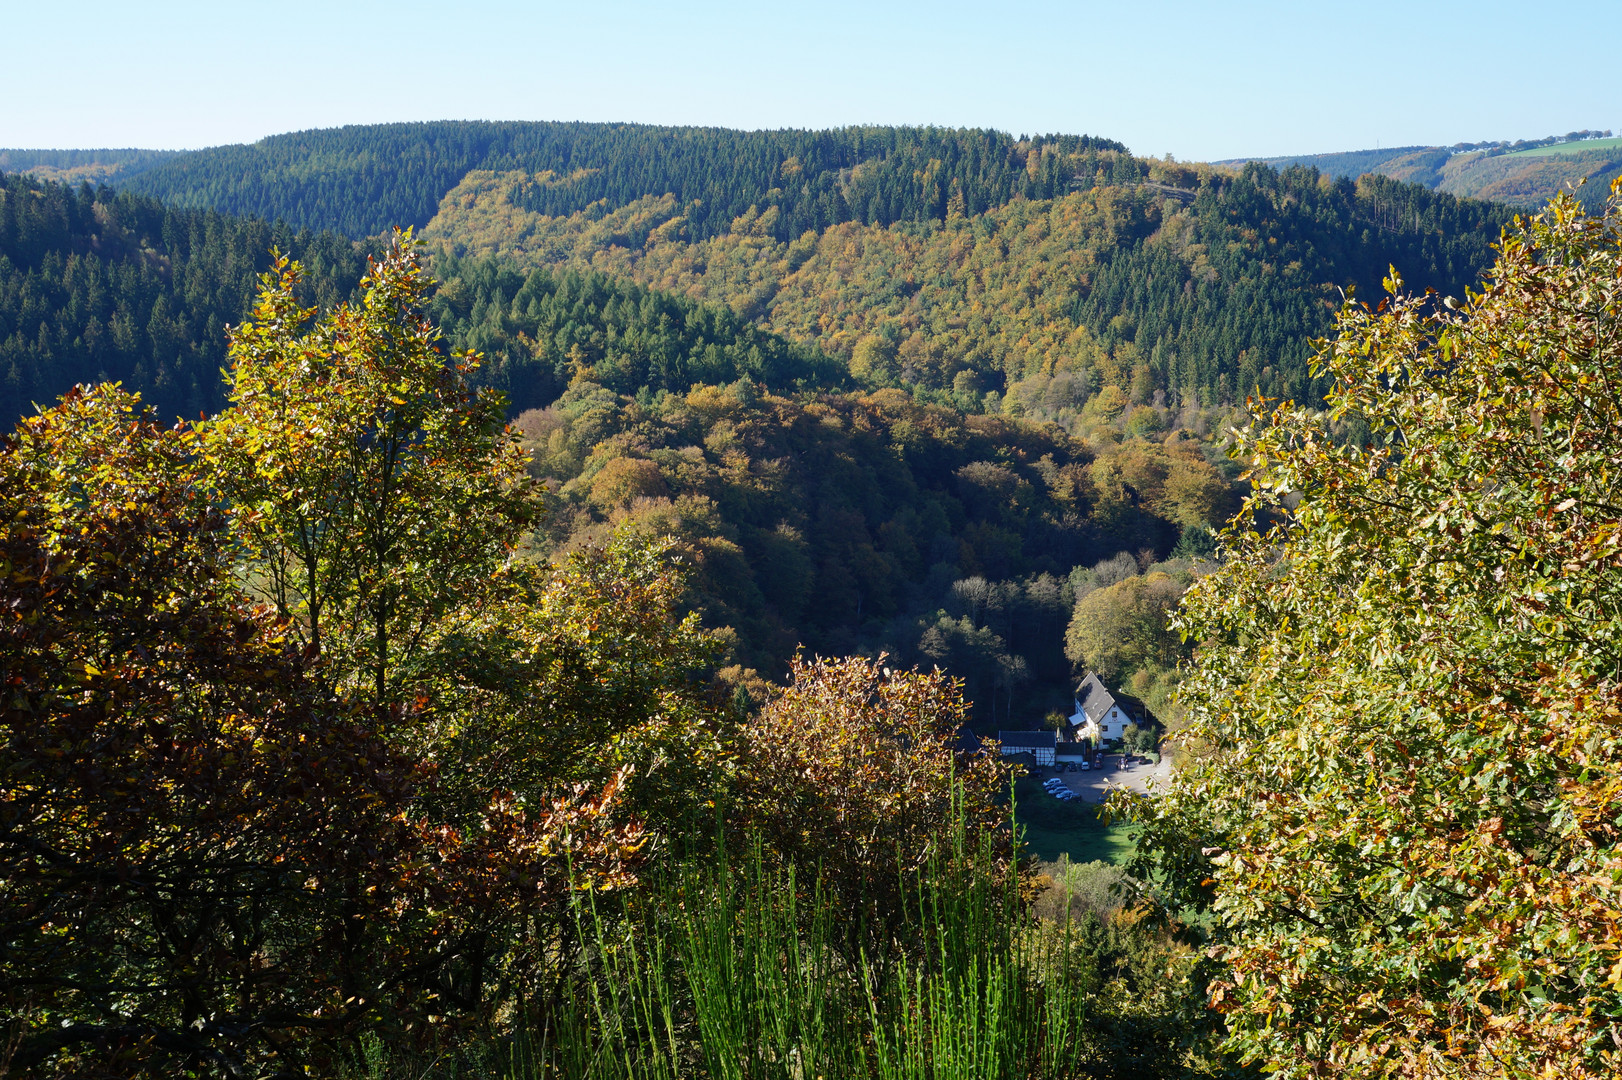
(556, 640)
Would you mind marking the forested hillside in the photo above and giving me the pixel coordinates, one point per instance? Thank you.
(836, 520)
(680, 334)
(540, 331)
(849, 522)
(960, 263)
(96, 287)
(845, 521)
(1152, 276)
(102, 287)
(366, 180)
(1530, 178)
(825, 362)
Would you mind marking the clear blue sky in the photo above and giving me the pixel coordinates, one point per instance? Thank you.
(1198, 80)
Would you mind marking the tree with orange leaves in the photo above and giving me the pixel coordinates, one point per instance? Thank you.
(853, 767)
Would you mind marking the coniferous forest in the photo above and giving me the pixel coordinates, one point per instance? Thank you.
(369, 179)
(540, 600)
(97, 286)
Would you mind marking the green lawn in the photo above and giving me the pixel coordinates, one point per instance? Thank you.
(1570, 148)
(1053, 828)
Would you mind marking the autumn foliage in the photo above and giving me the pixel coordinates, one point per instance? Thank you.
(300, 745)
(1403, 792)
(854, 766)
(214, 855)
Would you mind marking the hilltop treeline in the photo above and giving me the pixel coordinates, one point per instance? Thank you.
(1525, 173)
(97, 286)
(1354, 163)
(363, 180)
(78, 165)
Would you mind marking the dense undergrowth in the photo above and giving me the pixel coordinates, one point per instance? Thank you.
(732, 969)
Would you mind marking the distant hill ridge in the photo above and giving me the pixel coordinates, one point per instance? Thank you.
(73, 166)
(971, 267)
(362, 180)
(1523, 173)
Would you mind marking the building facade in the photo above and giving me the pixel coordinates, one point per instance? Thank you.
(1102, 715)
(1039, 744)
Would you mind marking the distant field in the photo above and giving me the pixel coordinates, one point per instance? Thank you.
(1582, 147)
(1053, 828)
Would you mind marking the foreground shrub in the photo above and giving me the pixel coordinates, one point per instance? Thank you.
(852, 768)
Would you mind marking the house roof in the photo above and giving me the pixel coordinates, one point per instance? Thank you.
(1035, 740)
(1094, 698)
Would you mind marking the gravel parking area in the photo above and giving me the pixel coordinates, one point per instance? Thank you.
(1093, 786)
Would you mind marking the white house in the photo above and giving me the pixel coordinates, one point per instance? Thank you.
(1099, 713)
(1039, 744)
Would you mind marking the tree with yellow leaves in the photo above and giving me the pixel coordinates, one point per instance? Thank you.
(1403, 798)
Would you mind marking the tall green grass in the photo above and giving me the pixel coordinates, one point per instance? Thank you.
(733, 969)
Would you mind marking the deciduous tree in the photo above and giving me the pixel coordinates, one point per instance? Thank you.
(1407, 715)
(586, 671)
(1123, 628)
(209, 862)
(853, 767)
(373, 491)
